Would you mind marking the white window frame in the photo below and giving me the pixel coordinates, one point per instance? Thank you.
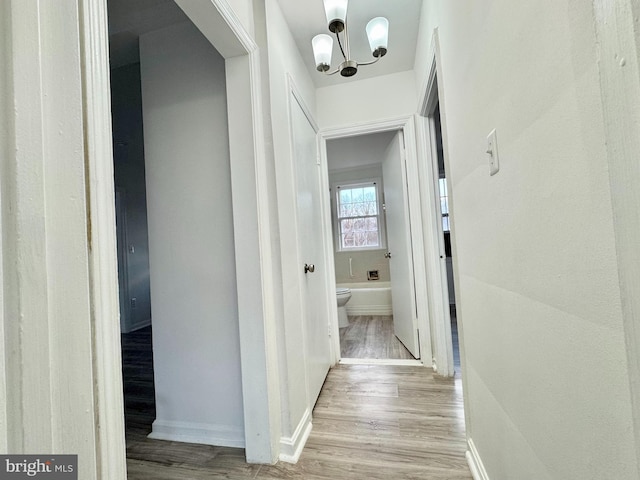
(335, 187)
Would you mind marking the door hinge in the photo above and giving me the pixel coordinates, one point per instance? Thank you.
(329, 328)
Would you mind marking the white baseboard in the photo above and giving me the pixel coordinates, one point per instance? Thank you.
(369, 310)
(205, 434)
(475, 462)
(381, 361)
(291, 447)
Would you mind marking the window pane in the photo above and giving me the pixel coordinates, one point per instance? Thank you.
(370, 194)
(357, 210)
(347, 240)
(445, 224)
(346, 226)
(372, 239)
(361, 239)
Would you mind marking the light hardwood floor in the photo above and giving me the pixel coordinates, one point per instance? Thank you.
(371, 336)
(370, 422)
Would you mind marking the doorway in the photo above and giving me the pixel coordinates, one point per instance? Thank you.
(443, 213)
(374, 203)
(200, 229)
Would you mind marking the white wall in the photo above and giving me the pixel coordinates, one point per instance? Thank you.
(193, 281)
(546, 377)
(376, 98)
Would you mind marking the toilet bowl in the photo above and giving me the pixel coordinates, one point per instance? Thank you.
(343, 295)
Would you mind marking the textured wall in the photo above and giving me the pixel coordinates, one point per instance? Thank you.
(539, 301)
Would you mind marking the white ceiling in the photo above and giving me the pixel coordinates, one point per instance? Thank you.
(306, 18)
(129, 19)
(358, 151)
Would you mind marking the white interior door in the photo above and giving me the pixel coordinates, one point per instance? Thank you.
(311, 247)
(405, 322)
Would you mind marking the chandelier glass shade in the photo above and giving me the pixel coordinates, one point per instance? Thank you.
(336, 11)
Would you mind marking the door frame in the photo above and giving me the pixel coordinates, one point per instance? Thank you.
(431, 95)
(405, 124)
(256, 312)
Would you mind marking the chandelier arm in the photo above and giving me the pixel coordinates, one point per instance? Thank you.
(346, 39)
(370, 63)
(340, 45)
(332, 73)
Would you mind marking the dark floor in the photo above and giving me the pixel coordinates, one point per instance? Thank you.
(137, 376)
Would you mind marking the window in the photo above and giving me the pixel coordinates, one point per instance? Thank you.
(358, 216)
(444, 204)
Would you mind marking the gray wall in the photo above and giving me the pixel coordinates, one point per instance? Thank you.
(129, 174)
(193, 280)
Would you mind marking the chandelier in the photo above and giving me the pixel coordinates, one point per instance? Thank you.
(377, 32)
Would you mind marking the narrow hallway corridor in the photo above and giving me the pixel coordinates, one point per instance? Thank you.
(374, 422)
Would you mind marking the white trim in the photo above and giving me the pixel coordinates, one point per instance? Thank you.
(435, 263)
(201, 433)
(325, 192)
(381, 361)
(619, 68)
(5, 128)
(406, 125)
(291, 447)
(369, 310)
(103, 274)
(475, 462)
(216, 19)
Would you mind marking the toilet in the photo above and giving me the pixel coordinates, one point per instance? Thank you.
(343, 295)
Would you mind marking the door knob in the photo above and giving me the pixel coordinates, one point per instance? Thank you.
(387, 255)
(309, 268)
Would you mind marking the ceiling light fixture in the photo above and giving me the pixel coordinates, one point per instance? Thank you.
(377, 33)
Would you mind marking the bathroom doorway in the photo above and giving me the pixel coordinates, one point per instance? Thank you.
(373, 264)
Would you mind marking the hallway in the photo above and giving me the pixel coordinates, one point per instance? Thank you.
(373, 422)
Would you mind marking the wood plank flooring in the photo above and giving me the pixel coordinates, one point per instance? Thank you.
(372, 337)
(370, 422)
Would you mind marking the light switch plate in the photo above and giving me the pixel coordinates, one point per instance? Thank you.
(492, 150)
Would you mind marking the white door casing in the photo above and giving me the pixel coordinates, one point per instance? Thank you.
(311, 247)
(399, 245)
(407, 126)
